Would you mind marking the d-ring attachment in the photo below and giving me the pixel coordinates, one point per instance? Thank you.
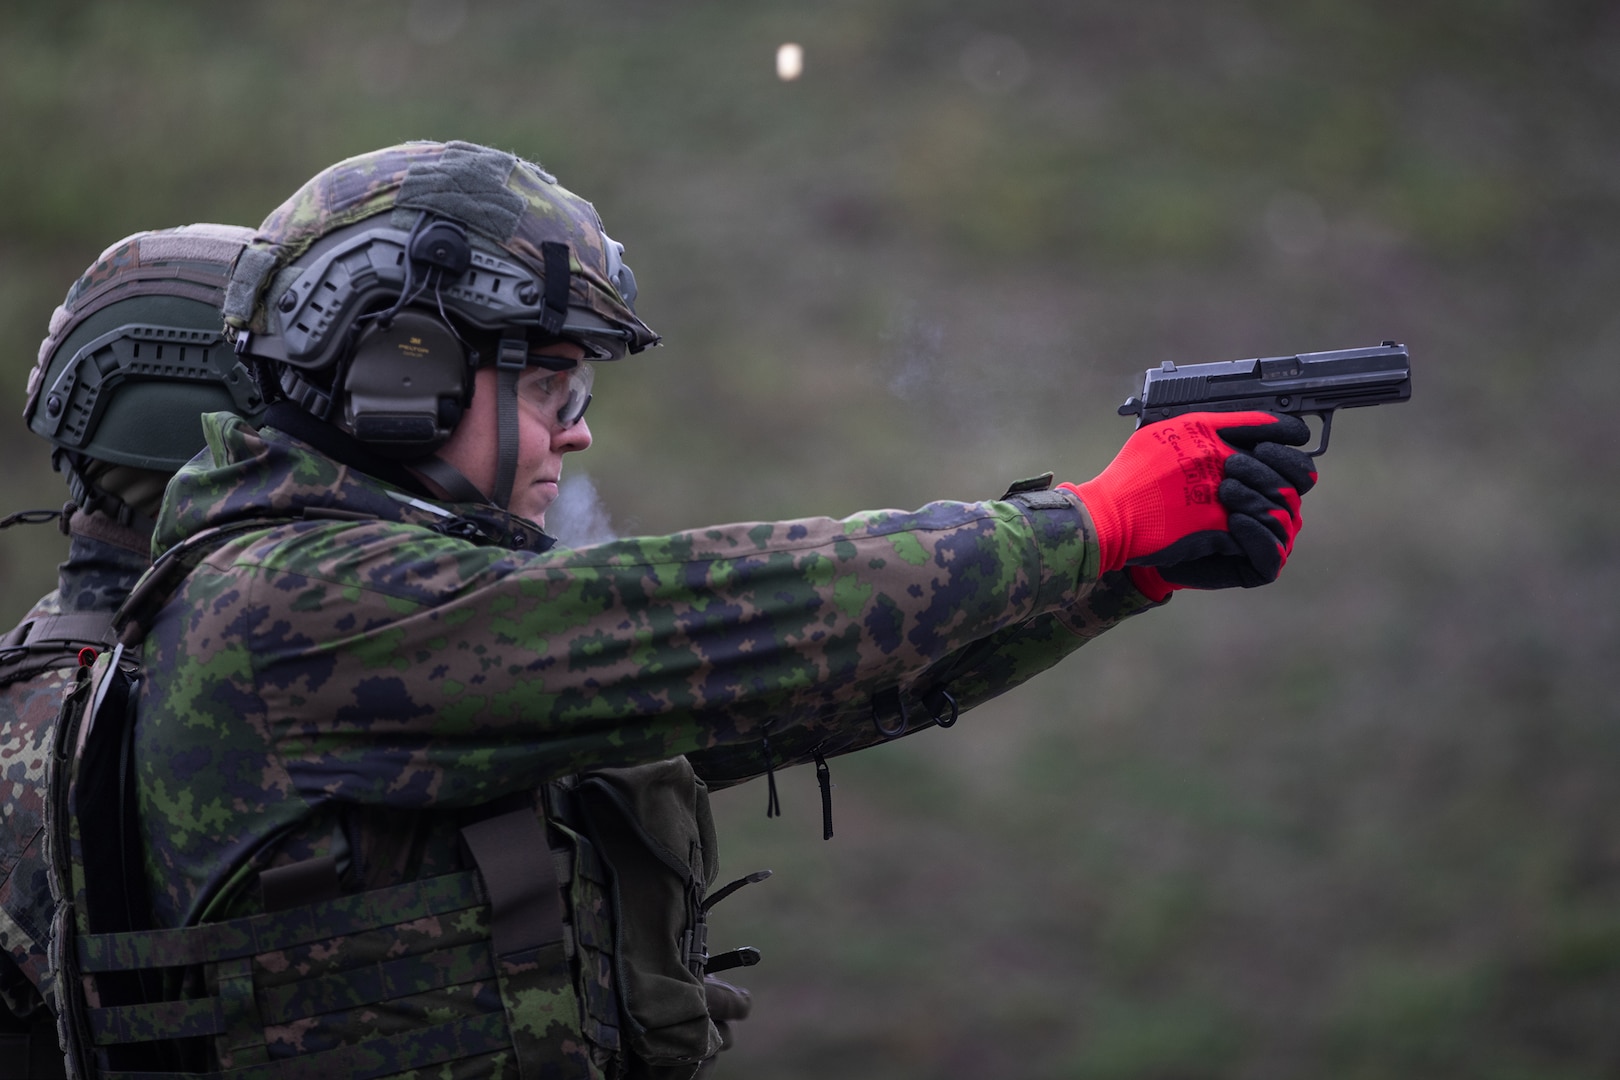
(900, 707)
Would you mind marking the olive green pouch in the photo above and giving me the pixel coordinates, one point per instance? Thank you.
(652, 826)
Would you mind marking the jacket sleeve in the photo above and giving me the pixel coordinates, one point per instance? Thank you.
(384, 663)
(970, 676)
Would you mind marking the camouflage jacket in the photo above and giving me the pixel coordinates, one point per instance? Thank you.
(96, 577)
(346, 678)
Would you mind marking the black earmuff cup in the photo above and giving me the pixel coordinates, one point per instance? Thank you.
(398, 378)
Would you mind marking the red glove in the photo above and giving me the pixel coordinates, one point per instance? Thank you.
(1202, 501)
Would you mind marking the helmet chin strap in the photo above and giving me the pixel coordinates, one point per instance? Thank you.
(513, 357)
(510, 361)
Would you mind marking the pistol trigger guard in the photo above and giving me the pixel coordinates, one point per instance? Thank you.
(1326, 417)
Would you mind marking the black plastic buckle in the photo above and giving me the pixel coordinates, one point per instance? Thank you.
(513, 354)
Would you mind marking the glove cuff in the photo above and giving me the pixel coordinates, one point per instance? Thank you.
(1105, 518)
(1150, 583)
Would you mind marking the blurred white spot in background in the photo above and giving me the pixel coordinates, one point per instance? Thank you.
(1295, 223)
(994, 64)
(789, 62)
(435, 22)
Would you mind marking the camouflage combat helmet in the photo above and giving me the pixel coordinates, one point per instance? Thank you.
(136, 353)
(375, 292)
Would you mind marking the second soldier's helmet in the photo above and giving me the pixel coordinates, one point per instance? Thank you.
(134, 355)
(370, 297)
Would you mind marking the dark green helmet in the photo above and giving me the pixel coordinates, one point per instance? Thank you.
(135, 355)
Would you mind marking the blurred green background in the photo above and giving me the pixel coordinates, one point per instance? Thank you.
(1362, 824)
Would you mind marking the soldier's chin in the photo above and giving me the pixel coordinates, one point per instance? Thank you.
(535, 501)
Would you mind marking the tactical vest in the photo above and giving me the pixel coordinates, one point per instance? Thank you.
(41, 652)
(573, 945)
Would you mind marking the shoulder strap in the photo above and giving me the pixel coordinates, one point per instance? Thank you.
(76, 628)
(51, 641)
(134, 618)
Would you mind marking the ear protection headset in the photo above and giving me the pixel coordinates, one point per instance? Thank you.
(367, 330)
(356, 345)
(407, 379)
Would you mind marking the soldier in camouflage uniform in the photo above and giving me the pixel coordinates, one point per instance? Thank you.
(120, 429)
(370, 673)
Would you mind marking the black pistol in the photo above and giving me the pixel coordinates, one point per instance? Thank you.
(1310, 384)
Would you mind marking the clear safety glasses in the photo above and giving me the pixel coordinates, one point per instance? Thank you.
(563, 394)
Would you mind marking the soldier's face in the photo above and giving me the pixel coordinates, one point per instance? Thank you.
(474, 448)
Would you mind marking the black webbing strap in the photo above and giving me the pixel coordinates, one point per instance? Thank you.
(510, 360)
(68, 628)
(558, 274)
(52, 641)
(525, 899)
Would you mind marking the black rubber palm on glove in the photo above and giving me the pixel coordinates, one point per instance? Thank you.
(1202, 501)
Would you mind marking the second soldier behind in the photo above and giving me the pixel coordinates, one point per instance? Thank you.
(134, 356)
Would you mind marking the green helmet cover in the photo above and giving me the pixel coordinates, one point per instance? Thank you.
(291, 289)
